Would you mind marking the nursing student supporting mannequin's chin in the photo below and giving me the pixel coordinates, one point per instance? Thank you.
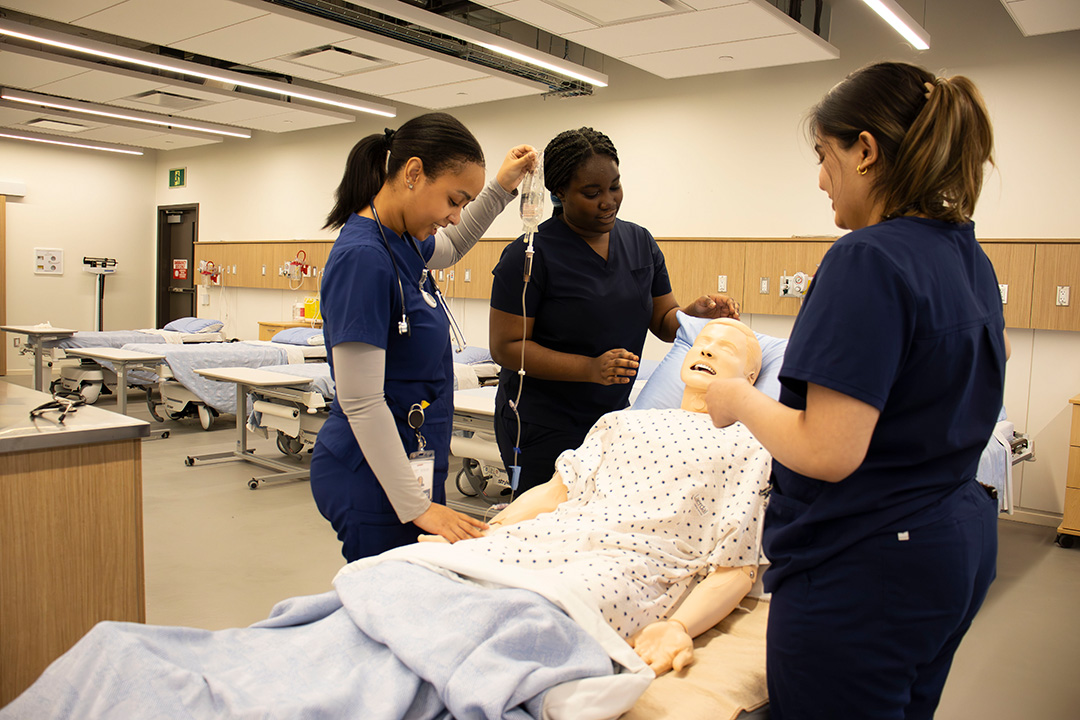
(725, 348)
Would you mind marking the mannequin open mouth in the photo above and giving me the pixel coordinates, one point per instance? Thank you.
(702, 367)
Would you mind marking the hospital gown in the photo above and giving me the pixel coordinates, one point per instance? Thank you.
(657, 499)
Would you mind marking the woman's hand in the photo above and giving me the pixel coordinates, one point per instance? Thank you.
(615, 367)
(714, 306)
(721, 399)
(664, 645)
(518, 161)
(449, 524)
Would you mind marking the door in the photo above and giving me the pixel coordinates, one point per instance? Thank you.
(178, 229)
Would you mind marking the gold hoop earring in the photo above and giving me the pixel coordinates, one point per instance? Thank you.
(861, 170)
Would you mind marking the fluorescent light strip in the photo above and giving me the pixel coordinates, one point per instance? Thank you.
(894, 14)
(67, 143)
(78, 107)
(185, 68)
(542, 63)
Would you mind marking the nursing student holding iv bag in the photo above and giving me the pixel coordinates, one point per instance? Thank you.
(380, 463)
(597, 285)
(882, 543)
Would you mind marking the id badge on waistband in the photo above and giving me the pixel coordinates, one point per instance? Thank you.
(423, 467)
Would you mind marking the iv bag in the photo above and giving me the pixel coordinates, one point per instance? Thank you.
(532, 196)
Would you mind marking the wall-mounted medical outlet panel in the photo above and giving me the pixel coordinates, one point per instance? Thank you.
(794, 286)
(721, 283)
(48, 261)
(1062, 297)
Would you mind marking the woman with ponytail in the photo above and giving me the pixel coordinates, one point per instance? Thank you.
(379, 467)
(882, 544)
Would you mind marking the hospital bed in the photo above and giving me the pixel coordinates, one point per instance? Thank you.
(85, 376)
(181, 391)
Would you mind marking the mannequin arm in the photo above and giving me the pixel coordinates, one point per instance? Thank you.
(535, 501)
(668, 644)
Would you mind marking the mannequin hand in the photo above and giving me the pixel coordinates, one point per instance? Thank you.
(721, 399)
(615, 367)
(714, 306)
(664, 645)
(519, 160)
(448, 524)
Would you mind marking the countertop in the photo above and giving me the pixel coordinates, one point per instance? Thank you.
(88, 424)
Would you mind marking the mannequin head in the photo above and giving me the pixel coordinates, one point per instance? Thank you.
(724, 348)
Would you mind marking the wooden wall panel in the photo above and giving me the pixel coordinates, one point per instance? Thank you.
(1014, 264)
(771, 259)
(1056, 264)
(694, 267)
(477, 266)
(248, 258)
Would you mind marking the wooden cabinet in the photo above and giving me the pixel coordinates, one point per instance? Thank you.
(1070, 523)
(269, 328)
(1014, 265)
(1056, 265)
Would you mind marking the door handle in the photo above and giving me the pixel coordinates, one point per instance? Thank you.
(181, 290)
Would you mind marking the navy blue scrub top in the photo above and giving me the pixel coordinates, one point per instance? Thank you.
(361, 303)
(906, 316)
(582, 305)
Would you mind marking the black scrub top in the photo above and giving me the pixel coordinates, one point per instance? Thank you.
(582, 305)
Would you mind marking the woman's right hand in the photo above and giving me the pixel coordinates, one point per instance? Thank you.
(615, 367)
(449, 524)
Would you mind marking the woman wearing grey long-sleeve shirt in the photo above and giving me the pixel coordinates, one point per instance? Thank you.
(378, 479)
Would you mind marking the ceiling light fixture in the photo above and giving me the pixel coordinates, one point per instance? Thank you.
(901, 22)
(77, 106)
(183, 67)
(83, 144)
(533, 60)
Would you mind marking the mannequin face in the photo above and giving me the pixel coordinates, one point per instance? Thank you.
(592, 198)
(722, 350)
(437, 202)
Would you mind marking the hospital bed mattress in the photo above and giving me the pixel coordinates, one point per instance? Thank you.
(119, 338)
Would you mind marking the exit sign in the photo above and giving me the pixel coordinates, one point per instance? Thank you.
(177, 177)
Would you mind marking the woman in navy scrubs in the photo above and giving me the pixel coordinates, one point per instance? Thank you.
(598, 285)
(882, 543)
(379, 466)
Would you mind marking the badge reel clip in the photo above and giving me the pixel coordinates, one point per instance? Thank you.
(422, 461)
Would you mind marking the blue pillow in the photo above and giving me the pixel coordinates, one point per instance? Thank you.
(665, 386)
(299, 336)
(194, 325)
(472, 355)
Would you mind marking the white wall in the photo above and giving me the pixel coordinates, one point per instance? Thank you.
(720, 155)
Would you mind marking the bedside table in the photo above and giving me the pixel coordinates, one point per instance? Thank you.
(268, 329)
(1070, 524)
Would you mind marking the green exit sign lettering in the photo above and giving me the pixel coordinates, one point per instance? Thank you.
(177, 177)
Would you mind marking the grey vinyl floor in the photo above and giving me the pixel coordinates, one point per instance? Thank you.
(218, 555)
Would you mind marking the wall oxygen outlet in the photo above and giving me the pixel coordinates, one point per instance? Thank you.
(1062, 296)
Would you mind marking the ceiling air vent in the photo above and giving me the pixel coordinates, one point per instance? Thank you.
(59, 126)
(169, 101)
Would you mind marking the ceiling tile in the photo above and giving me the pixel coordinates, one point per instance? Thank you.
(709, 27)
(63, 10)
(176, 142)
(292, 69)
(158, 21)
(1041, 17)
(613, 11)
(289, 121)
(469, 92)
(389, 52)
(404, 78)
(99, 87)
(30, 73)
(743, 54)
(337, 61)
(545, 16)
(265, 37)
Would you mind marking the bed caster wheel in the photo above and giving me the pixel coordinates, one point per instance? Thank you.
(189, 461)
(253, 484)
(55, 386)
(165, 434)
(90, 392)
(206, 418)
(463, 486)
(289, 445)
(152, 406)
(1065, 541)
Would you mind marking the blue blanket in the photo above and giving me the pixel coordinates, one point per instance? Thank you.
(394, 640)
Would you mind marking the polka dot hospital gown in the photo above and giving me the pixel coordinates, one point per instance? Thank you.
(657, 500)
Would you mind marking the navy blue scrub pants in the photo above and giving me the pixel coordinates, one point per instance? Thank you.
(871, 633)
(540, 447)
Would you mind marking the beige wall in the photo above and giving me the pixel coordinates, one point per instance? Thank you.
(720, 155)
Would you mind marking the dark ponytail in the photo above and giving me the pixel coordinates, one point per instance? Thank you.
(567, 151)
(933, 134)
(439, 140)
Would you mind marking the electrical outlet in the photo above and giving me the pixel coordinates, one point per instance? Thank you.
(468, 275)
(264, 269)
(17, 341)
(721, 283)
(764, 286)
(1062, 296)
(1004, 290)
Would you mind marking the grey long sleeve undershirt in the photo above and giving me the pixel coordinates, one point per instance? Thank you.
(360, 370)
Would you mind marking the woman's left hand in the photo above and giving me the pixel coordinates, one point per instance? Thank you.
(714, 306)
(518, 161)
(721, 400)
(664, 645)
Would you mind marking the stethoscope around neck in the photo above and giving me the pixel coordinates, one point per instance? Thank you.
(404, 327)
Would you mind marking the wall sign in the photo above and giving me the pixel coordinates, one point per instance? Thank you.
(180, 269)
(177, 177)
